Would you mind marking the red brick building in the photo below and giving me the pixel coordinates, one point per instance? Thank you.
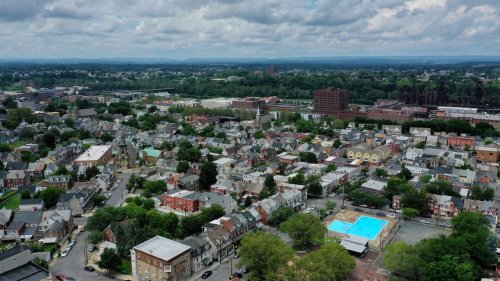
(249, 103)
(183, 200)
(390, 114)
(331, 100)
(457, 141)
(489, 153)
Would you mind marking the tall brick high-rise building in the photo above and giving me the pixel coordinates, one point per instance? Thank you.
(330, 101)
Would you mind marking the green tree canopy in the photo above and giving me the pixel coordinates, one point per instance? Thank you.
(305, 229)
(263, 254)
(208, 175)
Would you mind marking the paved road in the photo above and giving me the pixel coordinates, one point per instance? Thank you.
(72, 265)
(120, 192)
(222, 272)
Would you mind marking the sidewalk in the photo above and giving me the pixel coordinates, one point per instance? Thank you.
(197, 276)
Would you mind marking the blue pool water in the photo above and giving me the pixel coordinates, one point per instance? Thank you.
(365, 227)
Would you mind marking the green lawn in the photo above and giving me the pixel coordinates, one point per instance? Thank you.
(17, 144)
(12, 203)
(8, 194)
(126, 267)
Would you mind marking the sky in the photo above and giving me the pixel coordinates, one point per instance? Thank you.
(181, 29)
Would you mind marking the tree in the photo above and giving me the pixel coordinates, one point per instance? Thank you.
(208, 175)
(107, 137)
(299, 178)
(337, 143)
(305, 229)
(264, 194)
(330, 262)
(182, 167)
(9, 103)
(110, 260)
(259, 134)
(41, 262)
(380, 172)
(91, 172)
(50, 196)
(403, 259)
(395, 186)
(280, 215)
(308, 157)
(450, 268)
(25, 194)
(405, 174)
(330, 205)
(270, 183)
(331, 168)
(420, 145)
(410, 213)
(155, 187)
(148, 204)
(263, 254)
(95, 237)
(98, 199)
(315, 189)
(248, 201)
(415, 199)
(190, 154)
(152, 109)
(425, 179)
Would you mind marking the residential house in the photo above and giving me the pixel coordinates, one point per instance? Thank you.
(201, 255)
(209, 199)
(444, 205)
(6, 217)
(55, 225)
(488, 153)
(218, 237)
(151, 155)
(182, 200)
(36, 169)
(483, 207)
(63, 182)
(16, 179)
(79, 202)
(31, 204)
(189, 182)
(365, 152)
(461, 142)
(160, 259)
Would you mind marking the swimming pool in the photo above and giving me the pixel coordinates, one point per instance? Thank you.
(367, 227)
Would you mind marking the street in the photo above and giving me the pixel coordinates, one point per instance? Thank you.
(120, 192)
(72, 265)
(220, 271)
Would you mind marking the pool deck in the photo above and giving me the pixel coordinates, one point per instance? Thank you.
(352, 216)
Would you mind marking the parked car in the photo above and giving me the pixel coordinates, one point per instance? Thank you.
(358, 210)
(72, 243)
(237, 274)
(391, 215)
(369, 212)
(380, 214)
(446, 224)
(62, 277)
(82, 229)
(424, 221)
(206, 274)
(64, 253)
(236, 256)
(90, 247)
(89, 268)
(245, 270)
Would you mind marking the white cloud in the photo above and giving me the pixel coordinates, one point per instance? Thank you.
(247, 28)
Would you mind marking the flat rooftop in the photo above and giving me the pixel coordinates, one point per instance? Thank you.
(162, 248)
(94, 153)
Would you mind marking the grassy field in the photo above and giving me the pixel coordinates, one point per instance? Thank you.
(12, 203)
(126, 267)
(17, 144)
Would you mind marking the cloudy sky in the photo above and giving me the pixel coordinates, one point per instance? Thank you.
(247, 28)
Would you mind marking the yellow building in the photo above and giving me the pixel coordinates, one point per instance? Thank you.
(365, 152)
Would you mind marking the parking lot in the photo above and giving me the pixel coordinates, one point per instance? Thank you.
(412, 233)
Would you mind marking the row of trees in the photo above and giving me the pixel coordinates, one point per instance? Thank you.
(463, 255)
(144, 223)
(269, 258)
